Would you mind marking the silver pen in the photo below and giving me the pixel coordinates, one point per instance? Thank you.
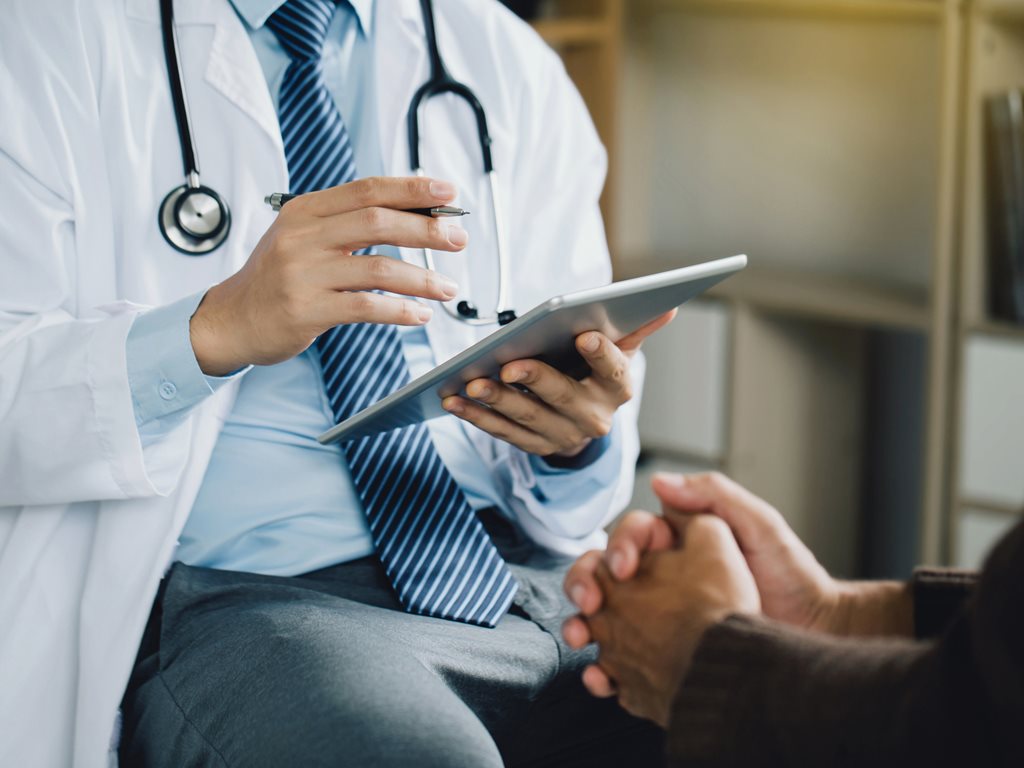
(278, 199)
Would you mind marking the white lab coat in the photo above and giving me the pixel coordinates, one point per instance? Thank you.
(88, 148)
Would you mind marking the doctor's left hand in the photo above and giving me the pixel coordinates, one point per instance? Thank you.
(557, 415)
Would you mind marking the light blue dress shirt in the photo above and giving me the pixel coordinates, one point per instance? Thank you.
(273, 499)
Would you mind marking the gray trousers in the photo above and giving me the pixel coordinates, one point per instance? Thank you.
(239, 669)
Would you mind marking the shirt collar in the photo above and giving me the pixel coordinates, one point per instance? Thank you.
(256, 12)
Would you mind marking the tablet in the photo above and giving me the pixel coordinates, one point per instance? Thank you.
(547, 332)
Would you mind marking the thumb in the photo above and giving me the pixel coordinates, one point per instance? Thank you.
(632, 342)
(753, 521)
(679, 493)
(637, 533)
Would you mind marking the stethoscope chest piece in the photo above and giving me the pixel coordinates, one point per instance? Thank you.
(194, 219)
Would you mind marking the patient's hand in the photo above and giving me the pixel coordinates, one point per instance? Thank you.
(649, 626)
(793, 586)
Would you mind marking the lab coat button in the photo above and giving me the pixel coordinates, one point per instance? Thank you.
(168, 390)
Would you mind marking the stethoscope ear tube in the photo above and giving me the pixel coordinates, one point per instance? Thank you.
(440, 82)
(177, 79)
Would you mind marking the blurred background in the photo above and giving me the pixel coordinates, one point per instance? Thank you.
(866, 373)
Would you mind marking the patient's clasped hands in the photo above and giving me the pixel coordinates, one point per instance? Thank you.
(717, 551)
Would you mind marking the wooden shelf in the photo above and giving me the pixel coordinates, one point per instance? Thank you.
(573, 32)
(997, 328)
(995, 507)
(904, 10)
(799, 293)
(826, 297)
(1002, 10)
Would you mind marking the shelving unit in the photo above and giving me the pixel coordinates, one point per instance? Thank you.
(838, 143)
(588, 36)
(859, 9)
(774, 127)
(984, 492)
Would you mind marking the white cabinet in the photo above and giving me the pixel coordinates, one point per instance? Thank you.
(686, 388)
(977, 532)
(992, 423)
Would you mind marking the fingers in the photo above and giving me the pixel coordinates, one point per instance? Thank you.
(576, 632)
(375, 191)
(609, 365)
(364, 307)
(632, 342)
(528, 411)
(638, 532)
(371, 273)
(378, 225)
(751, 519)
(707, 533)
(597, 682)
(498, 425)
(591, 415)
(581, 583)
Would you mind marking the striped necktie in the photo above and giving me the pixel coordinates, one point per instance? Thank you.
(433, 547)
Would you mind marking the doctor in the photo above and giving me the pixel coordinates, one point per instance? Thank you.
(135, 433)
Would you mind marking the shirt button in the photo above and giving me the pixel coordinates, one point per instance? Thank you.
(167, 390)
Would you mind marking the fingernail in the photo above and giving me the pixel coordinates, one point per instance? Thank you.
(669, 478)
(457, 235)
(452, 406)
(449, 288)
(442, 190)
(423, 313)
(577, 593)
(591, 342)
(513, 377)
(616, 562)
(483, 390)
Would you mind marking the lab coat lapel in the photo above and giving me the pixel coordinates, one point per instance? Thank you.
(232, 68)
(400, 59)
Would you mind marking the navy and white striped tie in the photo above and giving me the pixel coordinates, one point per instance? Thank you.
(434, 549)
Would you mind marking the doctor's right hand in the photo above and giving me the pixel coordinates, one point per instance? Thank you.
(303, 277)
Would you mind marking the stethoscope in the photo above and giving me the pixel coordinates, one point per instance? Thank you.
(195, 220)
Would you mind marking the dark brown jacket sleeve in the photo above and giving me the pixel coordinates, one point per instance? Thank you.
(760, 694)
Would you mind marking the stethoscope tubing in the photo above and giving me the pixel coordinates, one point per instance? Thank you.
(193, 218)
(189, 237)
(502, 313)
(176, 78)
(440, 82)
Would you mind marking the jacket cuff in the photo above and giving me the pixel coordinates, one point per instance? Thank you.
(761, 693)
(939, 596)
(594, 450)
(164, 376)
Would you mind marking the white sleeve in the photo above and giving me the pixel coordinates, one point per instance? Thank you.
(67, 426)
